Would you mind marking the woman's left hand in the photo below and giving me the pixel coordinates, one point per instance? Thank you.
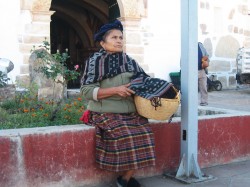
(124, 91)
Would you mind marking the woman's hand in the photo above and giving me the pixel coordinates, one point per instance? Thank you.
(124, 91)
(204, 62)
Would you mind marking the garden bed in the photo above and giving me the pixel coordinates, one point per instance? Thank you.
(26, 110)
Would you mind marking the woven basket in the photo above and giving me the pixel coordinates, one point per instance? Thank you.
(163, 112)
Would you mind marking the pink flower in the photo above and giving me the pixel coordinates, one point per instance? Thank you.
(76, 67)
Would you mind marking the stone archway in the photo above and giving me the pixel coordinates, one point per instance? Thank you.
(42, 12)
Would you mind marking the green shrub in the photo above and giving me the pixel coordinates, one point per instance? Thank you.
(26, 112)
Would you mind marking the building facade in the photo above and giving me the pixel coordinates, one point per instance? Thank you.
(151, 30)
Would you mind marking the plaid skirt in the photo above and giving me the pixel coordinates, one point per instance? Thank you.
(123, 141)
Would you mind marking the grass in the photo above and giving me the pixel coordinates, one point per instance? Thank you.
(26, 111)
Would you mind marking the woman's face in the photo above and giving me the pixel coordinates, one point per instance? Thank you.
(113, 41)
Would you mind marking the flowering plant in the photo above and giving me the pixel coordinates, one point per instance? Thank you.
(55, 65)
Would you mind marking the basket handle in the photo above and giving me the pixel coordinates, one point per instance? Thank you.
(177, 92)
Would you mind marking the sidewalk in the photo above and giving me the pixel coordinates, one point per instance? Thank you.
(235, 174)
(233, 99)
(231, 175)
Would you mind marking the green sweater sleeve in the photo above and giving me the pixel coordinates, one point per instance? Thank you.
(87, 90)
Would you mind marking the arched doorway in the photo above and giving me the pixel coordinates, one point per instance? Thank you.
(73, 25)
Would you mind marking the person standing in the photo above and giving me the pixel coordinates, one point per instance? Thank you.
(203, 63)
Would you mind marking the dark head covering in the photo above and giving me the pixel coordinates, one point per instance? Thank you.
(109, 26)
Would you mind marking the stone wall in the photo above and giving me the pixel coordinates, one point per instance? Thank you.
(7, 92)
(36, 18)
(38, 28)
(64, 155)
(48, 89)
(224, 30)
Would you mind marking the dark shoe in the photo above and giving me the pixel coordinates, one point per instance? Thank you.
(121, 182)
(133, 183)
(203, 104)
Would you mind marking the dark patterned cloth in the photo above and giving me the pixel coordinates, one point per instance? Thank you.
(102, 65)
(123, 141)
(149, 88)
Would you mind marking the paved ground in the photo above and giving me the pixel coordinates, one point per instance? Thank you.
(233, 99)
(231, 175)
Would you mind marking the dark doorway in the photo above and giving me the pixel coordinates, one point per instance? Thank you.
(72, 28)
(64, 37)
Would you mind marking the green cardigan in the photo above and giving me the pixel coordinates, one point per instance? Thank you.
(113, 104)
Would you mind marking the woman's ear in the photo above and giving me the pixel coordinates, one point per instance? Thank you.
(102, 44)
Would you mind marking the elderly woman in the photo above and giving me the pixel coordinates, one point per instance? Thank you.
(124, 140)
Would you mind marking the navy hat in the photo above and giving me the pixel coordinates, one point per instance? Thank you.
(109, 26)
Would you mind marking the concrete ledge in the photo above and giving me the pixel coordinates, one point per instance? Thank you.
(65, 155)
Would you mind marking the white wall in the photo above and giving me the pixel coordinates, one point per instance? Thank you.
(8, 34)
(163, 51)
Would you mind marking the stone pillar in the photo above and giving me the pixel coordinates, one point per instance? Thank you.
(36, 18)
(132, 12)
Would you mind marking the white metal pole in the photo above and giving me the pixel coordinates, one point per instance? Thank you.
(189, 83)
(189, 170)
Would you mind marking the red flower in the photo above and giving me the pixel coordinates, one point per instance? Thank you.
(85, 116)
